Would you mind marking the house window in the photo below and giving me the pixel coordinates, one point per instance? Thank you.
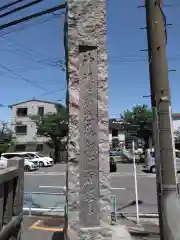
(20, 148)
(115, 142)
(39, 148)
(114, 133)
(21, 130)
(41, 111)
(21, 112)
(177, 154)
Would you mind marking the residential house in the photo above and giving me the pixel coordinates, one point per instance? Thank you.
(176, 126)
(117, 132)
(24, 128)
(176, 121)
(118, 129)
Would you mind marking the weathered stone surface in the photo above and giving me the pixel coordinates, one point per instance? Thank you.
(89, 159)
(86, 22)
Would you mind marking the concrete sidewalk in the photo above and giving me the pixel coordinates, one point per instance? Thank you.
(34, 228)
(51, 228)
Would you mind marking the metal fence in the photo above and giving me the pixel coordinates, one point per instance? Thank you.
(44, 203)
(11, 199)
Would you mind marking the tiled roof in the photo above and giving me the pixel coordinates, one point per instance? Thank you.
(33, 100)
(117, 124)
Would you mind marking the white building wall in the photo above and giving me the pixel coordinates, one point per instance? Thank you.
(31, 126)
(121, 136)
(176, 124)
(110, 137)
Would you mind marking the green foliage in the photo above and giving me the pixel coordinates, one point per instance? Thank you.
(140, 119)
(6, 137)
(53, 126)
(4, 147)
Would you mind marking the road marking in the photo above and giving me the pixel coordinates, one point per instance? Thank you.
(37, 227)
(57, 187)
(37, 223)
(132, 174)
(44, 174)
(64, 187)
(116, 188)
(117, 174)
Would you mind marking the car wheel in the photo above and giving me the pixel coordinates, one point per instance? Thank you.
(27, 169)
(153, 169)
(41, 164)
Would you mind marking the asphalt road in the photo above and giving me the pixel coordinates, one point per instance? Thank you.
(52, 180)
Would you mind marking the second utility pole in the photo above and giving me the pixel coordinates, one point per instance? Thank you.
(167, 188)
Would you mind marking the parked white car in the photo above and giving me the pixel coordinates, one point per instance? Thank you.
(43, 161)
(28, 165)
(149, 161)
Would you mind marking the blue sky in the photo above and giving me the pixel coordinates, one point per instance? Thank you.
(30, 53)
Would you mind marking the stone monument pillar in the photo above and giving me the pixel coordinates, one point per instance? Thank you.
(88, 177)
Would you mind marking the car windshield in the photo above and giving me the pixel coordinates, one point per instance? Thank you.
(31, 155)
(39, 154)
(24, 156)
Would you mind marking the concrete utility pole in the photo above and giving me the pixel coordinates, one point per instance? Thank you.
(167, 188)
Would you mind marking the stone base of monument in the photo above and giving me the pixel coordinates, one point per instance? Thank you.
(119, 232)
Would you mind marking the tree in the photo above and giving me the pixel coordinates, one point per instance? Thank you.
(6, 136)
(140, 119)
(54, 126)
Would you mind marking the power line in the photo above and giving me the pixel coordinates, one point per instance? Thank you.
(10, 4)
(20, 8)
(23, 78)
(55, 82)
(25, 27)
(27, 68)
(29, 17)
(26, 48)
(140, 60)
(57, 90)
(36, 63)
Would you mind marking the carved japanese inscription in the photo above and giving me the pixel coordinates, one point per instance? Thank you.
(89, 198)
(89, 159)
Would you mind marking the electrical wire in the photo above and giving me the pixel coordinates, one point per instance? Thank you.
(27, 53)
(26, 25)
(24, 49)
(22, 78)
(10, 4)
(57, 90)
(20, 8)
(32, 16)
(55, 82)
(37, 64)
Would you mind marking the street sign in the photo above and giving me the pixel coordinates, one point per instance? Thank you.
(113, 209)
